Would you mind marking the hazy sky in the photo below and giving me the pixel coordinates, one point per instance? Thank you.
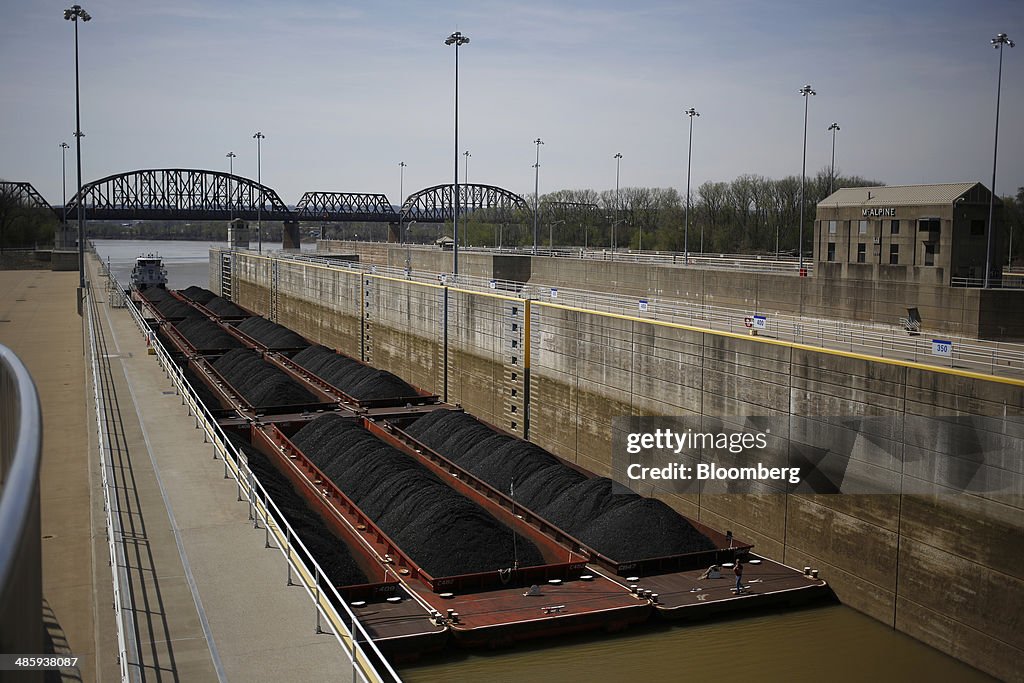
(344, 91)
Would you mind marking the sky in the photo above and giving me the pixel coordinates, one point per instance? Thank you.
(344, 91)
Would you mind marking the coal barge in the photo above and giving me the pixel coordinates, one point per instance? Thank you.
(445, 529)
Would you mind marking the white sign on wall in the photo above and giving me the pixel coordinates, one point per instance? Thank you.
(554, 292)
(942, 347)
(759, 322)
(643, 305)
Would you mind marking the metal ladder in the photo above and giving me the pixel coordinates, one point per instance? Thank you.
(274, 288)
(226, 274)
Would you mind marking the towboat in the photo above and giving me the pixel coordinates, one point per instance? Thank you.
(149, 271)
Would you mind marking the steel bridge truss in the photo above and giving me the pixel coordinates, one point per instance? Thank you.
(435, 204)
(345, 206)
(25, 195)
(178, 194)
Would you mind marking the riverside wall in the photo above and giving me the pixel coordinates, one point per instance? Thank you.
(852, 291)
(946, 568)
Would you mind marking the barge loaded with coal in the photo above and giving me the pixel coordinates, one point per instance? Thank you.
(436, 528)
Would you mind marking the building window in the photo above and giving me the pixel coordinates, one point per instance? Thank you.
(895, 228)
(832, 227)
(862, 252)
(929, 254)
(928, 225)
(894, 254)
(863, 230)
(831, 251)
(977, 227)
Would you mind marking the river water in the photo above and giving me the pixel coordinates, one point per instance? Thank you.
(186, 261)
(831, 643)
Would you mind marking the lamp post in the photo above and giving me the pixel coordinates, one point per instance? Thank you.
(258, 136)
(73, 15)
(805, 91)
(997, 43)
(536, 194)
(401, 197)
(832, 169)
(456, 39)
(618, 158)
(231, 172)
(691, 112)
(64, 147)
(408, 249)
(551, 233)
(401, 183)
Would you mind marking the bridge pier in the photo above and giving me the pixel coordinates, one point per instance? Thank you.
(394, 233)
(290, 236)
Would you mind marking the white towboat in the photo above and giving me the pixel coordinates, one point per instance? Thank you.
(149, 271)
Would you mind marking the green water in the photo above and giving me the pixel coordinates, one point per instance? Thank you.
(831, 643)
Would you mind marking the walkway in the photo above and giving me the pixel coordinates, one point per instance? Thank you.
(210, 602)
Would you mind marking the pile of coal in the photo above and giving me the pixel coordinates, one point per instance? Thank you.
(224, 308)
(154, 294)
(206, 335)
(270, 334)
(259, 382)
(203, 392)
(352, 377)
(174, 309)
(605, 515)
(442, 531)
(198, 294)
(329, 552)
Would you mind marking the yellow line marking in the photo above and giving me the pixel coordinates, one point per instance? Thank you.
(703, 330)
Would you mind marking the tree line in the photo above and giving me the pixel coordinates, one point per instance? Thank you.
(751, 214)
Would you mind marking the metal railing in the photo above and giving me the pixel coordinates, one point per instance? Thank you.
(368, 663)
(1008, 281)
(870, 339)
(762, 263)
(127, 637)
(21, 575)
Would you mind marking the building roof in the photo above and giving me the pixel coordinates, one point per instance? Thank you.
(900, 195)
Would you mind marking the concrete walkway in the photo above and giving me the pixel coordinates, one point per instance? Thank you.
(39, 323)
(210, 601)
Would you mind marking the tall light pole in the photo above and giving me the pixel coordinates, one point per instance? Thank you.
(401, 197)
(231, 172)
(832, 169)
(465, 177)
(74, 14)
(536, 194)
(408, 249)
(618, 158)
(401, 183)
(997, 43)
(259, 137)
(805, 91)
(456, 39)
(691, 112)
(64, 147)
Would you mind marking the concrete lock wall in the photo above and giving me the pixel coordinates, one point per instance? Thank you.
(946, 569)
(850, 291)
